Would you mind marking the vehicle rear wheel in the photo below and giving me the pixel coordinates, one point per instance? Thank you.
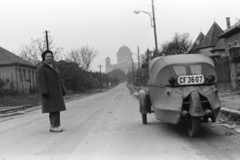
(144, 118)
(193, 126)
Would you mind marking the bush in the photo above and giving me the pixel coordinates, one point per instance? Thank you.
(20, 99)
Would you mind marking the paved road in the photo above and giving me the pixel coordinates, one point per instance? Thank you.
(107, 126)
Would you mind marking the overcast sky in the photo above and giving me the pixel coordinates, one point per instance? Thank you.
(106, 25)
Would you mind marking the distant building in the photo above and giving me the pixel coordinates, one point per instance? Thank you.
(124, 61)
(18, 72)
(224, 47)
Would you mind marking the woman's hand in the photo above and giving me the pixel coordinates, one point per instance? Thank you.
(45, 95)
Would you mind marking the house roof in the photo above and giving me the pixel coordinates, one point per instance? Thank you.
(197, 43)
(220, 45)
(211, 39)
(230, 31)
(7, 58)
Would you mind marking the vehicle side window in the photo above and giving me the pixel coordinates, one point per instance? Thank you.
(196, 69)
(180, 70)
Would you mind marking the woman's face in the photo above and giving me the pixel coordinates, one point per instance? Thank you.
(48, 58)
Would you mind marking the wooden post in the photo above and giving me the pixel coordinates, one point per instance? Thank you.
(100, 78)
(138, 69)
(47, 40)
(133, 73)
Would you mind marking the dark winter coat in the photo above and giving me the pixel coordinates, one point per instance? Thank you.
(51, 88)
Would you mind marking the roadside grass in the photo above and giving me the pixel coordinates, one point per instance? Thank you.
(35, 99)
(21, 99)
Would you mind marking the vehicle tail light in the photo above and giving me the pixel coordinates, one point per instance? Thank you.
(185, 114)
(210, 78)
(171, 80)
(215, 90)
(208, 112)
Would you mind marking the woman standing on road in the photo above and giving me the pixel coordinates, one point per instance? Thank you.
(52, 90)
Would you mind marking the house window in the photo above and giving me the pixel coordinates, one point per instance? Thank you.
(24, 75)
(33, 77)
(20, 74)
(229, 45)
(235, 43)
(29, 76)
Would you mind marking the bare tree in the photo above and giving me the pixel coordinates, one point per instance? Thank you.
(180, 44)
(32, 52)
(83, 56)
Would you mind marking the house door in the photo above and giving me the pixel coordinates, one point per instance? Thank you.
(223, 73)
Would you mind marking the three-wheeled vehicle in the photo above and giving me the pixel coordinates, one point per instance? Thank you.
(181, 88)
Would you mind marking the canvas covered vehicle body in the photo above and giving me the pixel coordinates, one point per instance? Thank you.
(180, 87)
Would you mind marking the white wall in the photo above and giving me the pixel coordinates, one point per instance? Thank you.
(8, 72)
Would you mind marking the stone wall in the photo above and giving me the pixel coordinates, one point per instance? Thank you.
(235, 75)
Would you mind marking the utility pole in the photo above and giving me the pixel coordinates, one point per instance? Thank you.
(155, 31)
(47, 40)
(100, 78)
(138, 70)
(133, 73)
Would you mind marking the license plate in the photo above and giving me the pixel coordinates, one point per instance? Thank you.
(193, 79)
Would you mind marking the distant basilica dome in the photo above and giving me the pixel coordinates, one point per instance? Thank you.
(124, 54)
(124, 50)
(124, 60)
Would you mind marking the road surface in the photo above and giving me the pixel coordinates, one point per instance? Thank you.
(108, 126)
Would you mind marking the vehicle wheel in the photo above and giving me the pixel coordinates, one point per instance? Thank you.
(144, 118)
(193, 126)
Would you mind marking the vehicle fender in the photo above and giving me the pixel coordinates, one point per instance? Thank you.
(144, 101)
(166, 103)
(214, 101)
(195, 108)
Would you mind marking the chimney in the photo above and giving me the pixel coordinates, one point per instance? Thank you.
(228, 22)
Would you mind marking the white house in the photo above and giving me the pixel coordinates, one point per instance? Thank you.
(16, 71)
